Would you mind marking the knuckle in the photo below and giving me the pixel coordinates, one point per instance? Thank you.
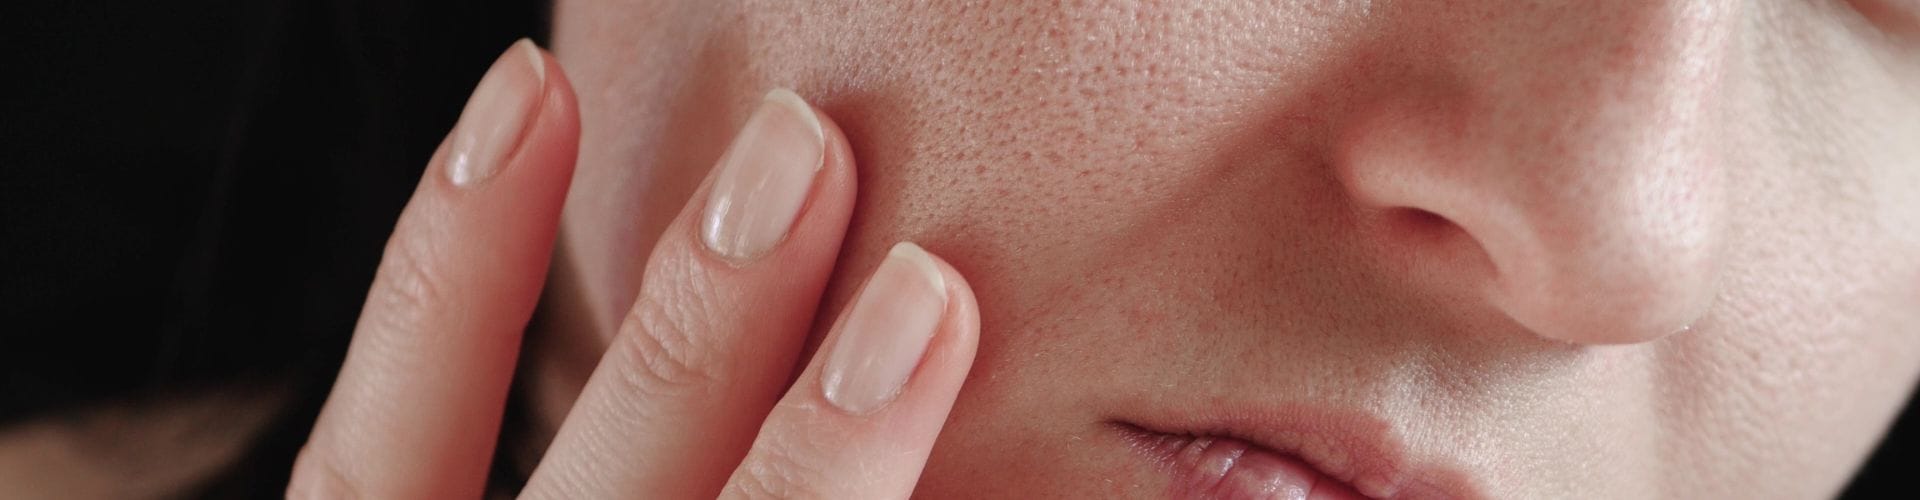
(408, 284)
(672, 345)
(774, 474)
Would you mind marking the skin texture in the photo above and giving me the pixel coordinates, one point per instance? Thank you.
(1606, 249)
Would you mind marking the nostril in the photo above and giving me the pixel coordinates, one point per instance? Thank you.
(1430, 247)
(1418, 219)
(1421, 225)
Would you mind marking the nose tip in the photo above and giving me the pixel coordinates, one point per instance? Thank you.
(1584, 308)
(1605, 276)
(1576, 148)
(1593, 236)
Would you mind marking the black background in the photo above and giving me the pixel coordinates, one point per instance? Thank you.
(196, 193)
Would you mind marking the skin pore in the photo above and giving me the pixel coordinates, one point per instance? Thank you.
(1549, 249)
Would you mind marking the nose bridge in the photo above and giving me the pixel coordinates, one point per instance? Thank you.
(1616, 87)
(1580, 155)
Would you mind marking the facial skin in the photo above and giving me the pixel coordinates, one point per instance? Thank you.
(1553, 249)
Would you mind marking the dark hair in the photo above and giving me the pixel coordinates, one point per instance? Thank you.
(196, 195)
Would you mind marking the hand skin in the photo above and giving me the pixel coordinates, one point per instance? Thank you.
(688, 402)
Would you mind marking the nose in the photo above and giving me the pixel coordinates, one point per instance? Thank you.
(1574, 152)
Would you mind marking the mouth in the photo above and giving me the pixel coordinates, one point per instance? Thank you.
(1206, 466)
(1295, 454)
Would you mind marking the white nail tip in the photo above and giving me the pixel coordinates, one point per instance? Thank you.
(922, 261)
(800, 108)
(539, 64)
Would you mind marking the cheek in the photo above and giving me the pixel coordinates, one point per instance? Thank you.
(1067, 139)
(1822, 309)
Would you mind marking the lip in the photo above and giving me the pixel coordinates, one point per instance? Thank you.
(1285, 451)
(1225, 467)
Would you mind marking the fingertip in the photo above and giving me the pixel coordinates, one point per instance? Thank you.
(558, 102)
(948, 355)
(950, 358)
(962, 318)
(878, 442)
(555, 138)
(838, 176)
(498, 117)
(536, 57)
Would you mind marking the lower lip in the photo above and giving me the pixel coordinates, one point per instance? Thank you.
(1227, 468)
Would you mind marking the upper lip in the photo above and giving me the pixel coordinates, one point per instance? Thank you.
(1353, 447)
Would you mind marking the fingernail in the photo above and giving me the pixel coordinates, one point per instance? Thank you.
(885, 333)
(496, 115)
(763, 178)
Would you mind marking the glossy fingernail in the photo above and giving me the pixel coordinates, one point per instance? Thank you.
(886, 331)
(763, 179)
(496, 115)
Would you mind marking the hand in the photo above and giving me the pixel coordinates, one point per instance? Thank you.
(687, 401)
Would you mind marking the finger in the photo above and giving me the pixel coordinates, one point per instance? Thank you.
(418, 402)
(726, 301)
(862, 418)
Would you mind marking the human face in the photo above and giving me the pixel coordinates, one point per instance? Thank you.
(1514, 249)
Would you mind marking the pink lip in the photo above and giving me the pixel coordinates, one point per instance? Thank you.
(1222, 467)
(1293, 451)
